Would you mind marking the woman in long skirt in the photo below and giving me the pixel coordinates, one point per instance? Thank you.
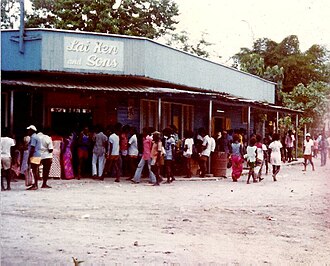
(55, 169)
(236, 158)
(67, 158)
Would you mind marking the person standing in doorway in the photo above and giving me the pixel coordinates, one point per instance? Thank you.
(46, 151)
(6, 146)
(308, 151)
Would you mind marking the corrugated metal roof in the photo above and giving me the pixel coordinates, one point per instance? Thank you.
(138, 88)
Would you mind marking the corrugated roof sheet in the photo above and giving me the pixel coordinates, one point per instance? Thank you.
(137, 88)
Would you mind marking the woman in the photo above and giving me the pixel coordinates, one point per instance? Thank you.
(236, 158)
(67, 157)
(276, 154)
(156, 153)
(55, 169)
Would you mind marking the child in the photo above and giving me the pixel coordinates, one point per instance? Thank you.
(276, 153)
(188, 144)
(169, 144)
(261, 148)
(251, 156)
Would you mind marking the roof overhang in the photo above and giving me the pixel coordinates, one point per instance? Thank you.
(135, 88)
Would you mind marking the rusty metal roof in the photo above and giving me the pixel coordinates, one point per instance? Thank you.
(224, 98)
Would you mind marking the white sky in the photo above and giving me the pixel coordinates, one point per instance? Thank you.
(232, 24)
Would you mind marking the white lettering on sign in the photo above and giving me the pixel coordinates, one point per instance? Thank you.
(102, 48)
(93, 54)
(77, 46)
(93, 60)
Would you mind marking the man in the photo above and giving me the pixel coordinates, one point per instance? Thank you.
(308, 151)
(114, 152)
(206, 151)
(46, 151)
(6, 150)
(99, 151)
(146, 158)
(34, 154)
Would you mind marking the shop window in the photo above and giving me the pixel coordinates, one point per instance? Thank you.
(244, 115)
(181, 115)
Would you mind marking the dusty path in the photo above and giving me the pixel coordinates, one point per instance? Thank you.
(187, 223)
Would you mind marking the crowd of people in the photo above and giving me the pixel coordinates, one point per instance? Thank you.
(119, 151)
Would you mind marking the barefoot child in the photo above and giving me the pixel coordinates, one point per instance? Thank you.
(276, 154)
(251, 156)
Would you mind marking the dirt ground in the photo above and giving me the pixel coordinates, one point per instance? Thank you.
(184, 223)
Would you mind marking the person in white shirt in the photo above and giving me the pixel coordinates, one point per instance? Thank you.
(276, 154)
(251, 156)
(46, 151)
(113, 150)
(308, 151)
(205, 153)
(133, 152)
(188, 151)
(6, 150)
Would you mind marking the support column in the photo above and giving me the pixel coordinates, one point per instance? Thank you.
(21, 27)
(248, 123)
(159, 113)
(296, 137)
(277, 118)
(11, 112)
(210, 131)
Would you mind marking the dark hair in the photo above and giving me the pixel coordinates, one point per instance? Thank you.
(276, 136)
(235, 137)
(253, 141)
(259, 138)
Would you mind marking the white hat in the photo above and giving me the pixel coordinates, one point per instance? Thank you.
(308, 135)
(32, 127)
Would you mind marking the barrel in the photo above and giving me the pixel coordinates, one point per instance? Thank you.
(219, 163)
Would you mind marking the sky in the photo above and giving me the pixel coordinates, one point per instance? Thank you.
(233, 24)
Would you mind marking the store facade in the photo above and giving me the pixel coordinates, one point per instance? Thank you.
(66, 80)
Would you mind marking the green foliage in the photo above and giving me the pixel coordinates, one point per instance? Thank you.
(9, 13)
(312, 99)
(147, 18)
(298, 67)
(182, 42)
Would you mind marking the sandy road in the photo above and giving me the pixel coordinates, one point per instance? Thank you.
(186, 222)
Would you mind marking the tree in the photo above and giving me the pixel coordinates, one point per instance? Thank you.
(299, 67)
(312, 99)
(9, 13)
(182, 42)
(147, 18)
